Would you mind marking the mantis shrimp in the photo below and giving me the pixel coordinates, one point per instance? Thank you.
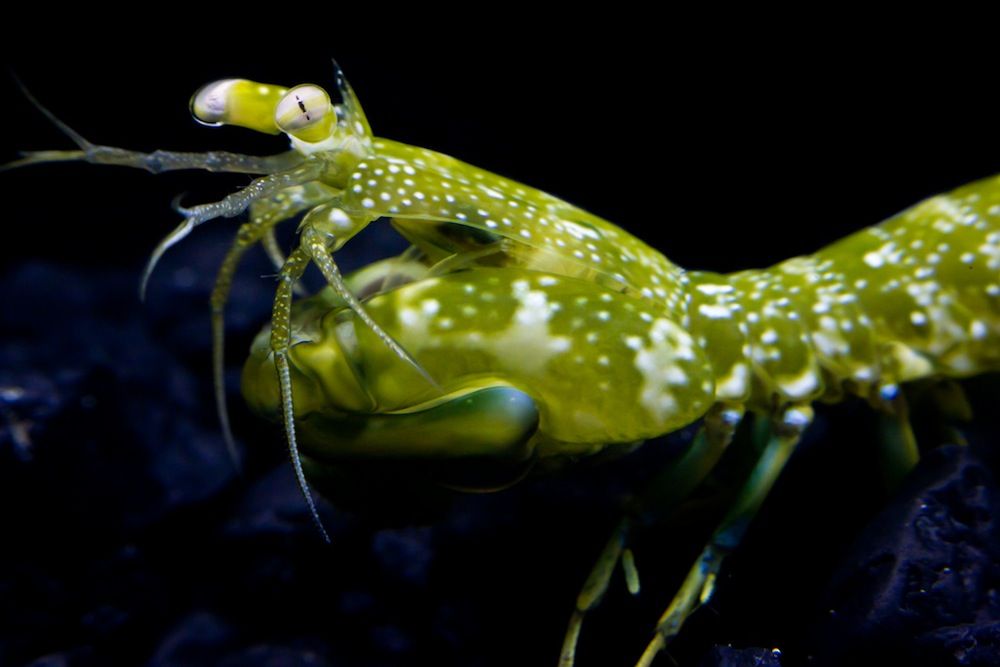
(469, 351)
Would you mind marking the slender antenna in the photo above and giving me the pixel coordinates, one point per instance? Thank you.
(38, 157)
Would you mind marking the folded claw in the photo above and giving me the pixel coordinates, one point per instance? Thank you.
(494, 421)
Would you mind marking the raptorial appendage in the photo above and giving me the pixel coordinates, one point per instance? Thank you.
(521, 331)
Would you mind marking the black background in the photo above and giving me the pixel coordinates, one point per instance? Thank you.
(726, 151)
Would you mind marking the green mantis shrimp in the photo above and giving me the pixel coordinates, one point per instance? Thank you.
(520, 332)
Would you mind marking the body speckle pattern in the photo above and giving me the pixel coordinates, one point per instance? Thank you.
(521, 330)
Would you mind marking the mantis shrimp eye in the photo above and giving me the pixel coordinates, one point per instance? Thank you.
(306, 113)
(238, 102)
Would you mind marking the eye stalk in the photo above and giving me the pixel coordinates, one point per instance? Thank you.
(306, 113)
(238, 102)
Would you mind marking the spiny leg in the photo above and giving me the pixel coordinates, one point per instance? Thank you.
(230, 206)
(281, 323)
(700, 581)
(264, 215)
(663, 494)
(277, 256)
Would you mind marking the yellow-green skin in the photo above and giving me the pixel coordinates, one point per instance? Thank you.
(613, 342)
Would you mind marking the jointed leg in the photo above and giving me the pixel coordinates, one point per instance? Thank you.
(264, 215)
(665, 492)
(230, 206)
(700, 581)
(220, 294)
(281, 325)
(898, 447)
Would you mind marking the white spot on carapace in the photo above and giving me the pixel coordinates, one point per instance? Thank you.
(579, 232)
(992, 254)
(340, 220)
(409, 317)
(830, 345)
(734, 385)
(714, 311)
(922, 293)
(801, 386)
(911, 365)
(527, 343)
(712, 290)
(873, 259)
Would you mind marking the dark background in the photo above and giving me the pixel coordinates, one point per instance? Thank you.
(725, 154)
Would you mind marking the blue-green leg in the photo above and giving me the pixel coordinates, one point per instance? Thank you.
(667, 490)
(700, 581)
(898, 446)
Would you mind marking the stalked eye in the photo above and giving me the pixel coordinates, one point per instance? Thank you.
(306, 113)
(238, 102)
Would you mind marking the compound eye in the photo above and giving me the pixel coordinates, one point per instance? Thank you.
(209, 105)
(237, 102)
(306, 113)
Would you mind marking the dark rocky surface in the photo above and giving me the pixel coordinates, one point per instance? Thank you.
(922, 584)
